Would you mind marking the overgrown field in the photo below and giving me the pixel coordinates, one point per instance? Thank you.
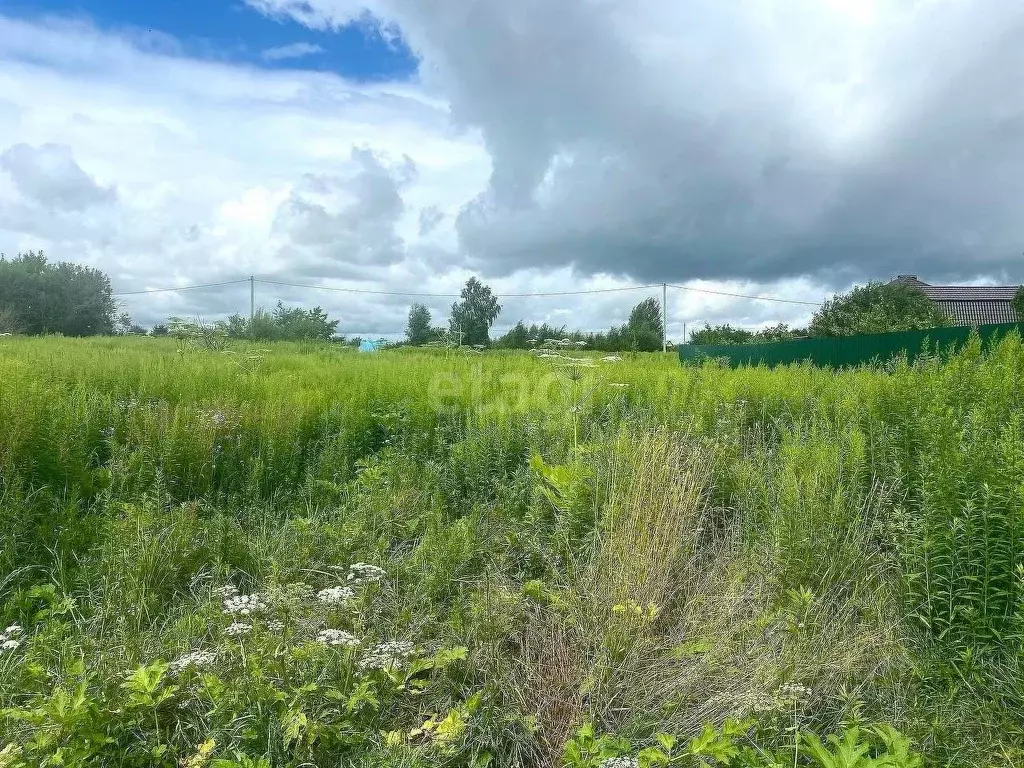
(311, 557)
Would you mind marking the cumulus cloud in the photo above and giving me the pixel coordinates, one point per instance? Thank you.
(761, 138)
(346, 221)
(173, 171)
(49, 176)
(292, 51)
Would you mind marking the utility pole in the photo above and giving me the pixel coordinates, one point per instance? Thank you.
(252, 297)
(664, 317)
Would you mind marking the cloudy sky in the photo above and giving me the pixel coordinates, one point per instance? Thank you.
(785, 148)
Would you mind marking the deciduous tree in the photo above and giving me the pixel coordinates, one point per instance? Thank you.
(474, 315)
(877, 308)
(43, 297)
(418, 330)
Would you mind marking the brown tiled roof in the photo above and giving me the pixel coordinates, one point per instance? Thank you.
(978, 312)
(969, 304)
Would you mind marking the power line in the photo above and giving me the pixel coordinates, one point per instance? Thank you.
(745, 296)
(538, 294)
(358, 290)
(180, 288)
(455, 295)
(578, 293)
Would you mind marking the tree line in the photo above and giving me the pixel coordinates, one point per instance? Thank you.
(471, 318)
(38, 296)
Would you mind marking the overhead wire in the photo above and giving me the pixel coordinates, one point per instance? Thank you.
(180, 288)
(422, 294)
(745, 296)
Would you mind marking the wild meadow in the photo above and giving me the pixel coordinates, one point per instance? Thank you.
(304, 556)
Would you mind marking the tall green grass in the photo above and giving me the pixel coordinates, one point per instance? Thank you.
(635, 544)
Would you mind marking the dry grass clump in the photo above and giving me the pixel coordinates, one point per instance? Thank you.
(675, 621)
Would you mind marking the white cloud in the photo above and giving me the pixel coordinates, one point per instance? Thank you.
(293, 51)
(163, 170)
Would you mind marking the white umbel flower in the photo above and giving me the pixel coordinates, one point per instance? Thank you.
(193, 659)
(794, 691)
(364, 573)
(10, 645)
(13, 631)
(335, 595)
(386, 655)
(226, 592)
(619, 762)
(244, 605)
(238, 629)
(337, 637)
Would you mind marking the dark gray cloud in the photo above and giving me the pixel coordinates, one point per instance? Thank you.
(762, 140)
(49, 176)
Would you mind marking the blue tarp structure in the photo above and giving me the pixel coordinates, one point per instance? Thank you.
(370, 346)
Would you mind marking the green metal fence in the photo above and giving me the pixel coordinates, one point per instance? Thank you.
(840, 351)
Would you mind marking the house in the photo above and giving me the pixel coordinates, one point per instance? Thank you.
(969, 304)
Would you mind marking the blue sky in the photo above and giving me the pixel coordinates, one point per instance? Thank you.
(228, 29)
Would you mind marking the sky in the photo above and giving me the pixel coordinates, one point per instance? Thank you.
(777, 148)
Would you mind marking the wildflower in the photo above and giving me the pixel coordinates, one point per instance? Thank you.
(386, 655)
(193, 659)
(618, 385)
(337, 637)
(13, 631)
(244, 605)
(275, 626)
(364, 573)
(219, 419)
(611, 359)
(227, 591)
(794, 691)
(335, 595)
(238, 629)
(10, 645)
(619, 762)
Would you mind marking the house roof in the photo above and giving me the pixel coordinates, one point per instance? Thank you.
(969, 304)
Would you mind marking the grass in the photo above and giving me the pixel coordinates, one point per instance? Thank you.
(584, 561)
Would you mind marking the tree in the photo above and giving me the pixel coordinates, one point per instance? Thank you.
(1018, 303)
(644, 329)
(56, 298)
(780, 332)
(418, 331)
(474, 315)
(9, 322)
(877, 308)
(125, 326)
(160, 329)
(283, 324)
(720, 334)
